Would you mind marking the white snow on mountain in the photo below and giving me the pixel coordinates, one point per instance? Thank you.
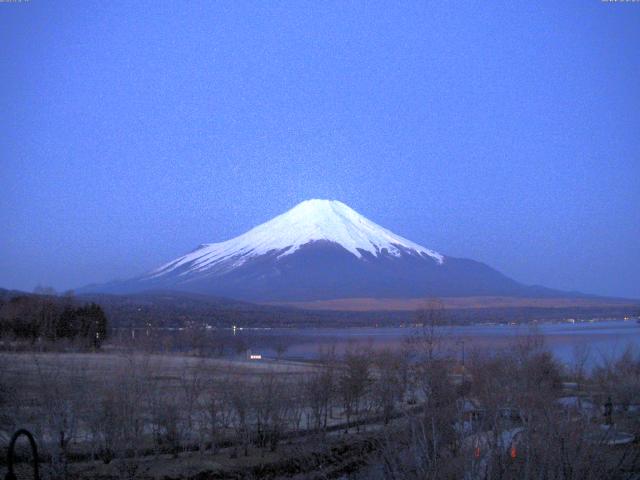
(309, 221)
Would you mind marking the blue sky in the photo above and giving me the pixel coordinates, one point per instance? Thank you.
(507, 132)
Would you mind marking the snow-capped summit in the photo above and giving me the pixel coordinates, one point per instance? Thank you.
(320, 249)
(309, 221)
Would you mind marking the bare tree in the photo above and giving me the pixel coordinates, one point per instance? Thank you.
(389, 382)
(62, 391)
(581, 355)
(353, 382)
(240, 396)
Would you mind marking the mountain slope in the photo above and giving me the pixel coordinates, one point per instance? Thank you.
(309, 221)
(320, 250)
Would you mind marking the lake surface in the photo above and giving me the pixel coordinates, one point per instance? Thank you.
(603, 340)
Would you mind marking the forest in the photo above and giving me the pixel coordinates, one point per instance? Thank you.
(53, 319)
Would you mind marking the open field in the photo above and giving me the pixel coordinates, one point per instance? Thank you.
(154, 411)
(454, 303)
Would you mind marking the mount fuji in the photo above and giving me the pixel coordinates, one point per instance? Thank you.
(323, 250)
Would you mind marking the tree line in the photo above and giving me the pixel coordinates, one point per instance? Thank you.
(50, 318)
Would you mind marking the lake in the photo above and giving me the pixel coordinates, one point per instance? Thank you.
(605, 339)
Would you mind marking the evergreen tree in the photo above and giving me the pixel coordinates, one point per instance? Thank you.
(100, 326)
